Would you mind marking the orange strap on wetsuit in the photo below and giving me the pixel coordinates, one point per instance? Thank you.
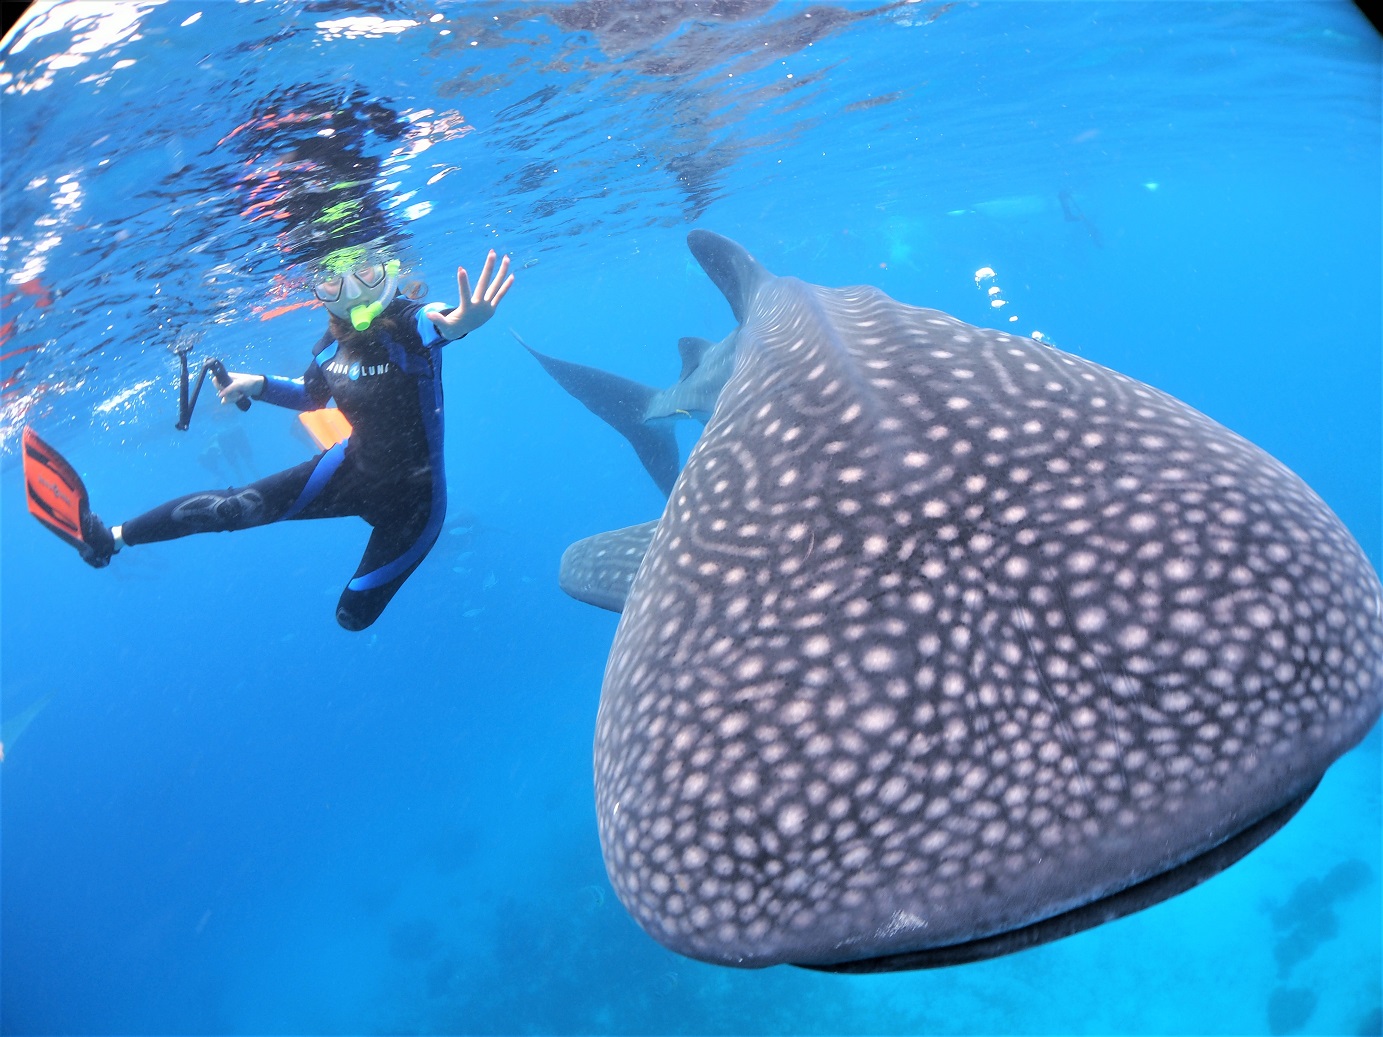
(327, 425)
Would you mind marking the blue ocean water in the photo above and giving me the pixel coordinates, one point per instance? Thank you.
(233, 816)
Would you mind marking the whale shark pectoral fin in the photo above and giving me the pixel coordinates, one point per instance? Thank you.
(730, 266)
(600, 569)
(692, 350)
(623, 405)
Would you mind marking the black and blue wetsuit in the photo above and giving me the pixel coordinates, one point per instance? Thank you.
(390, 472)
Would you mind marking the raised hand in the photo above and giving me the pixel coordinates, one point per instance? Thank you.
(475, 308)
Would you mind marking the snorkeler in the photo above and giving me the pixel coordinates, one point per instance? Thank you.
(381, 362)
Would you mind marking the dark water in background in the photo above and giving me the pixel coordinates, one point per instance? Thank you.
(234, 816)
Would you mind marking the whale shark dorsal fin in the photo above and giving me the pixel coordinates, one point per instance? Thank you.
(733, 270)
(692, 350)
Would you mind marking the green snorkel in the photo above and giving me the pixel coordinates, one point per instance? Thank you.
(364, 315)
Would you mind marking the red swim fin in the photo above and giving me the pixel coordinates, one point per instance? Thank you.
(56, 495)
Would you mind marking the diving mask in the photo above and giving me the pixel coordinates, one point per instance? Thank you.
(360, 294)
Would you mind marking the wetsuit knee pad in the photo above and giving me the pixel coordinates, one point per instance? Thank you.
(356, 611)
(350, 621)
(211, 512)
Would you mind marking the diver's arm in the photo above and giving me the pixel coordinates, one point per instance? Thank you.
(475, 307)
(306, 393)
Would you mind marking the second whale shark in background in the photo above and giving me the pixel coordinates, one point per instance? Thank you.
(949, 643)
(642, 414)
(645, 415)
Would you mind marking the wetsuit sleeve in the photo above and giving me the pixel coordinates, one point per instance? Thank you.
(309, 392)
(427, 331)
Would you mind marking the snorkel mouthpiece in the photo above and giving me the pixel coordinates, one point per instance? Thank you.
(363, 316)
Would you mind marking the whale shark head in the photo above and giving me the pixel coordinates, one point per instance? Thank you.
(949, 642)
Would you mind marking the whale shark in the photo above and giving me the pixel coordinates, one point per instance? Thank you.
(949, 643)
(642, 414)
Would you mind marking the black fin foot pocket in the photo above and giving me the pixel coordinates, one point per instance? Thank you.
(98, 542)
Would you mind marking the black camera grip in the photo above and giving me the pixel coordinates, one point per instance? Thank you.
(222, 379)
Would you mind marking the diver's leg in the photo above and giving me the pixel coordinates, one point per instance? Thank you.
(304, 491)
(396, 548)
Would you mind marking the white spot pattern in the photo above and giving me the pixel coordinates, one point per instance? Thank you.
(983, 650)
